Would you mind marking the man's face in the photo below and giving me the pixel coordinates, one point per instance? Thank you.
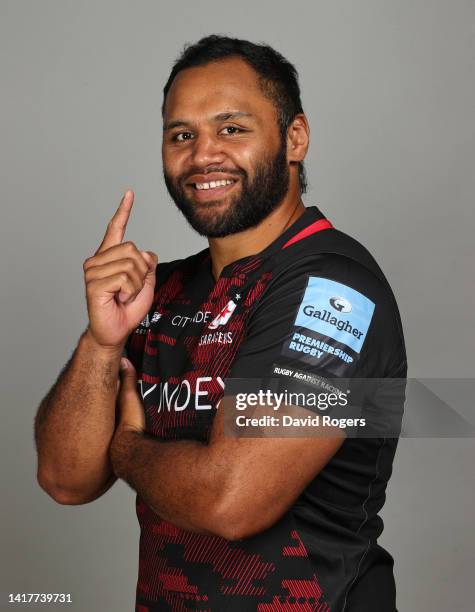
(224, 160)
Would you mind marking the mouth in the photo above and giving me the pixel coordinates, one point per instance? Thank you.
(213, 189)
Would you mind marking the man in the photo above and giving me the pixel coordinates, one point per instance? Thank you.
(231, 523)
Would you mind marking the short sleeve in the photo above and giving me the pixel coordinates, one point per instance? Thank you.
(324, 315)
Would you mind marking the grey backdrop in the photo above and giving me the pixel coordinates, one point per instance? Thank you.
(388, 87)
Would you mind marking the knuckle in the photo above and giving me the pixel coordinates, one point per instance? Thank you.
(90, 286)
(87, 263)
(130, 246)
(129, 264)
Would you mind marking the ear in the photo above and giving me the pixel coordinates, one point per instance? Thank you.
(298, 138)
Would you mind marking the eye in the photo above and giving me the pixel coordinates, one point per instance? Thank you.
(182, 136)
(232, 130)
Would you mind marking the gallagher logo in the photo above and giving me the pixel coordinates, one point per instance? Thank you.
(340, 304)
(224, 316)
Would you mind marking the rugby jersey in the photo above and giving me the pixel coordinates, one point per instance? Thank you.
(258, 319)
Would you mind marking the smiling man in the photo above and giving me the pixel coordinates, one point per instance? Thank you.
(231, 523)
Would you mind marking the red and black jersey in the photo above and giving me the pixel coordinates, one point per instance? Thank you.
(314, 301)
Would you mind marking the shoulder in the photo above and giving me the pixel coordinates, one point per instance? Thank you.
(337, 279)
(331, 282)
(331, 240)
(334, 257)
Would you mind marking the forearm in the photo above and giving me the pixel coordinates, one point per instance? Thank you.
(75, 423)
(183, 481)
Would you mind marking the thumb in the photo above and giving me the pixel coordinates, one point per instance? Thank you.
(131, 411)
(128, 375)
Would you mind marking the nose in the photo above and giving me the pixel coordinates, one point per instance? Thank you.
(206, 150)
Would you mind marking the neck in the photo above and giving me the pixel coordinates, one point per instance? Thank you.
(224, 251)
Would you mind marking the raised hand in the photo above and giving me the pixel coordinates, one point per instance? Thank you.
(120, 282)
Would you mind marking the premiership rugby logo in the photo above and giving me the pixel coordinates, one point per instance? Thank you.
(340, 304)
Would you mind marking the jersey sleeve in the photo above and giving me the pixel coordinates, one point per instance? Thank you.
(324, 315)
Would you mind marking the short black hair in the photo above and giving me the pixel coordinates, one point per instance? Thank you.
(278, 78)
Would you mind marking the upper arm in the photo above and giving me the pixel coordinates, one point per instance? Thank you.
(264, 475)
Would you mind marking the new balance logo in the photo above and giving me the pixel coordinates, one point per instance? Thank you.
(147, 321)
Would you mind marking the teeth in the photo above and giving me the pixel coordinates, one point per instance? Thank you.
(214, 184)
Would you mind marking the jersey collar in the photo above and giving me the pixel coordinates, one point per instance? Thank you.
(311, 215)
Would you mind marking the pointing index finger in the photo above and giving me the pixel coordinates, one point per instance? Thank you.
(116, 227)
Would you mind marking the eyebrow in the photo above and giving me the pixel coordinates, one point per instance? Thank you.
(217, 118)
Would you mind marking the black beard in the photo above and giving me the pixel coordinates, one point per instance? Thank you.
(252, 205)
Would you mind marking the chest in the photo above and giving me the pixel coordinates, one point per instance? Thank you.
(185, 348)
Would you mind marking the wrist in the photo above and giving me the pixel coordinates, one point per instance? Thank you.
(108, 351)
